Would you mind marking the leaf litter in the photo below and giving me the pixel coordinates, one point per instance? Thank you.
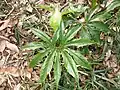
(14, 67)
(10, 66)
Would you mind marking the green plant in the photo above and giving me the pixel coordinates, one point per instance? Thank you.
(61, 49)
(56, 50)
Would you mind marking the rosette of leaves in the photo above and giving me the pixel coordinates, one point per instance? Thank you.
(56, 50)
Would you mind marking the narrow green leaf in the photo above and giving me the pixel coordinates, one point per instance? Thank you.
(113, 5)
(92, 12)
(46, 67)
(80, 59)
(100, 16)
(70, 65)
(80, 42)
(33, 46)
(71, 32)
(57, 69)
(37, 58)
(94, 34)
(56, 36)
(100, 85)
(106, 79)
(84, 33)
(100, 26)
(62, 28)
(41, 34)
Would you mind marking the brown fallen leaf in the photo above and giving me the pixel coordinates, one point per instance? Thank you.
(17, 87)
(2, 45)
(27, 74)
(12, 47)
(5, 24)
(35, 77)
(12, 39)
(2, 79)
(13, 21)
(3, 38)
(10, 70)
